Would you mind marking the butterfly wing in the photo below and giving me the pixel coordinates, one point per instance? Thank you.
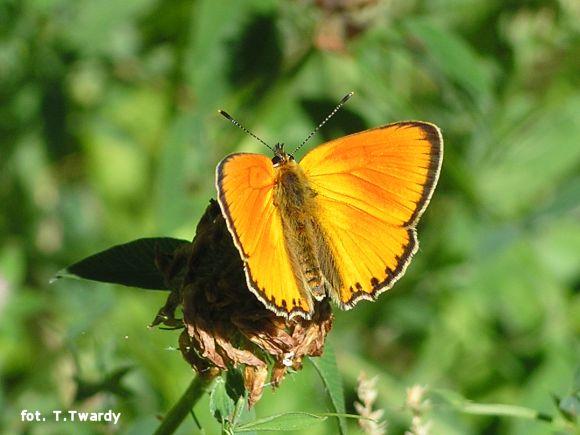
(372, 188)
(245, 193)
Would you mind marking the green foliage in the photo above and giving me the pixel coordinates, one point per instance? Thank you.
(330, 375)
(221, 405)
(131, 264)
(109, 132)
(569, 405)
(110, 383)
(282, 422)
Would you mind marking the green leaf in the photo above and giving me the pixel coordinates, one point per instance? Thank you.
(569, 407)
(564, 201)
(131, 264)
(457, 402)
(111, 383)
(576, 382)
(221, 404)
(235, 384)
(179, 166)
(442, 396)
(328, 371)
(237, 392)
(282, 422)
(453, 57)
(532, 160)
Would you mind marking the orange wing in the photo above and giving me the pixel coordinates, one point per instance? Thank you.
(372, 188)
(244, 184)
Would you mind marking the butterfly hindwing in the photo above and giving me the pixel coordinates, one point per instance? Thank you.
(245, 185)
(371, 190)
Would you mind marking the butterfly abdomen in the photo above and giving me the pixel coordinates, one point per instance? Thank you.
(295, 200)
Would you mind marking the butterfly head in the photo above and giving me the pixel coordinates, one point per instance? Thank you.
(281, 157)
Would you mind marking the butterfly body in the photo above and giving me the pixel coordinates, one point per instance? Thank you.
(304, 238)
(341, 223)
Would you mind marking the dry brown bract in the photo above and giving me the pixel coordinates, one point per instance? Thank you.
(224, 324)
(342, 21)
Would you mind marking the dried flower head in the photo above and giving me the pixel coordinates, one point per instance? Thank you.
(342, 21)
(225, 325)
(367, 393)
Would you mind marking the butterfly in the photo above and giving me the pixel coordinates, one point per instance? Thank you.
(340, 223)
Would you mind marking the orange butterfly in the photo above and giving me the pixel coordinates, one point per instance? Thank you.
(341, 223)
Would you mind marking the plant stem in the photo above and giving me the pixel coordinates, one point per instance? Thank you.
(199, 385)
(514, 411)
(497, 410)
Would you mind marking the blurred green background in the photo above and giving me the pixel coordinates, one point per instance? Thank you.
(109, 132)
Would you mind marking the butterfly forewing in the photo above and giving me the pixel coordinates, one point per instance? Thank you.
(371, 189)
(245, 193)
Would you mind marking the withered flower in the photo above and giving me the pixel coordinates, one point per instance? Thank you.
(342, 21)
(225, 326)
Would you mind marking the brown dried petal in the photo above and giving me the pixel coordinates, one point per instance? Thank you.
(201, 365)
(204, 343)
(278, 373)
(330, 35)
(254, 381)
(238, 356)
(269, 336)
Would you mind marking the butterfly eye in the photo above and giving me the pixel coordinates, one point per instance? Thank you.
(276, 160)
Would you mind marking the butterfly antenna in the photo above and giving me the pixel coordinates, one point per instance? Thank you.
(240, 126)
(336, 109)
